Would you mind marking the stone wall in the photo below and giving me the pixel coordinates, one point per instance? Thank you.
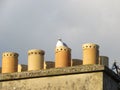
(83, 77)
(109, 83)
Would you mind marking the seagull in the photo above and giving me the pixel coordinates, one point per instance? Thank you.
(61, 43)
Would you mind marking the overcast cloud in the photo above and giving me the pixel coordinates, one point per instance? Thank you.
(28, 24)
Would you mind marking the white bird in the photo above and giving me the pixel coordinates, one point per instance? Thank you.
(60, 43)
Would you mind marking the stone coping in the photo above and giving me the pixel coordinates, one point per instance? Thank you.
(58, 71)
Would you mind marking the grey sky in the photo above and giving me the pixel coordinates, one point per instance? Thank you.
(29, 24)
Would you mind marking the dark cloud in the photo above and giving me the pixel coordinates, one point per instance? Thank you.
(27, 24)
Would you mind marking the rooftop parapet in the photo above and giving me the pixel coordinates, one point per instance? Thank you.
(59, 71)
